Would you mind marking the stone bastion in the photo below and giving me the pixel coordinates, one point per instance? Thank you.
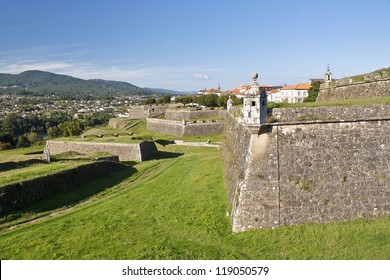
(125, 151)
(371, 85)
(186, 122)
(333, 167)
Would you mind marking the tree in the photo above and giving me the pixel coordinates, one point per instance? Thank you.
(8, 139)
(33, 138)
(22, 142)
(313, 92)
(149, 101)
(57, 117)
(70, 128)
(4, 146)
(208, 100)
(166, 99)
(54, 132)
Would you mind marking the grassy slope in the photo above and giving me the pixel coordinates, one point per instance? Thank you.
(21, 154)
(35, 171)
(174, 208)
(139, 133)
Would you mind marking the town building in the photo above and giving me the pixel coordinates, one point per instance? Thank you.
(291, 94)
(240, 91)
(216, 91)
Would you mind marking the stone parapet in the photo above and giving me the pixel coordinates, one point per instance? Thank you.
(125, 151)
(347, 89)
(330, 113)
(181, 129)
(178, 115)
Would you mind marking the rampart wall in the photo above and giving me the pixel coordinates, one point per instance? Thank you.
(138, 113)
(299, 172)
(348, 89)
(331, 112)
(142, 112)
(125, 152)
(118, 122)
(178, 115)
(178, 128)
(18, 195)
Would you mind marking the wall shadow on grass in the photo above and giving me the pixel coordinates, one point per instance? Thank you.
(164, 142)
(6, 166)
(165, 155)
(72, 196)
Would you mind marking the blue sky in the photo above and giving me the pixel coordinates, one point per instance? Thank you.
(193, 44)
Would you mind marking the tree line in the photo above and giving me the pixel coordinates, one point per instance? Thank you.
(208, 100)
(18, 132)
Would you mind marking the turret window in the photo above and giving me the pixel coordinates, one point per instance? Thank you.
(253, 103)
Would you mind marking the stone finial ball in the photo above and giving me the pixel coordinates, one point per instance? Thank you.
(255, 76)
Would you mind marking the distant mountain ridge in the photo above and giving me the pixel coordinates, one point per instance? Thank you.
(50, 83)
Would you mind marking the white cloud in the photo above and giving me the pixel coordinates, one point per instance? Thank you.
(141, 75)
(198, 76)
(43, 66)
(83, 70)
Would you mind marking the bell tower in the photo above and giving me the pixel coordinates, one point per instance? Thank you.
(255, 103)
(328, 75)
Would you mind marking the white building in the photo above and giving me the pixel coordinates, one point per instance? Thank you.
(291, 94)
(216, 91)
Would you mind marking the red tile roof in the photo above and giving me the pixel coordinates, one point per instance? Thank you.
(297, 87)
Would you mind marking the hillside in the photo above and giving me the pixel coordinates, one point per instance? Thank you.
(49, 83)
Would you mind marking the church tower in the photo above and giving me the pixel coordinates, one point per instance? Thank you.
(255, 103)
(328, 75)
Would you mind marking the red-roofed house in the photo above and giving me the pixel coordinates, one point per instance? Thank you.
(291, 94)
(211, 91)
(238, 91)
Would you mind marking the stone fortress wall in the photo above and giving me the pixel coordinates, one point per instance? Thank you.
(145, 111)
(300, 171)
(182, 129)
(125, 152)
(375, 84)
(177, 122)
(118, 122)
(178, 115)
(331, 113)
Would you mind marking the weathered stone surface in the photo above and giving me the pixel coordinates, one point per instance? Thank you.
(118, 123)
(307, 172)
(341, 183)
(125, 152)
(178, 128)
(348, 89)
(328, 113)
(143, 112)
(185, 114)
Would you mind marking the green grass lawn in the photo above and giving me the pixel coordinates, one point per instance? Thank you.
(35, 170)
(174, 207)
(140, 133)
(34, 152)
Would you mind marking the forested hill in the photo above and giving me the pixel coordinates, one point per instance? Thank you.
(40, 82)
